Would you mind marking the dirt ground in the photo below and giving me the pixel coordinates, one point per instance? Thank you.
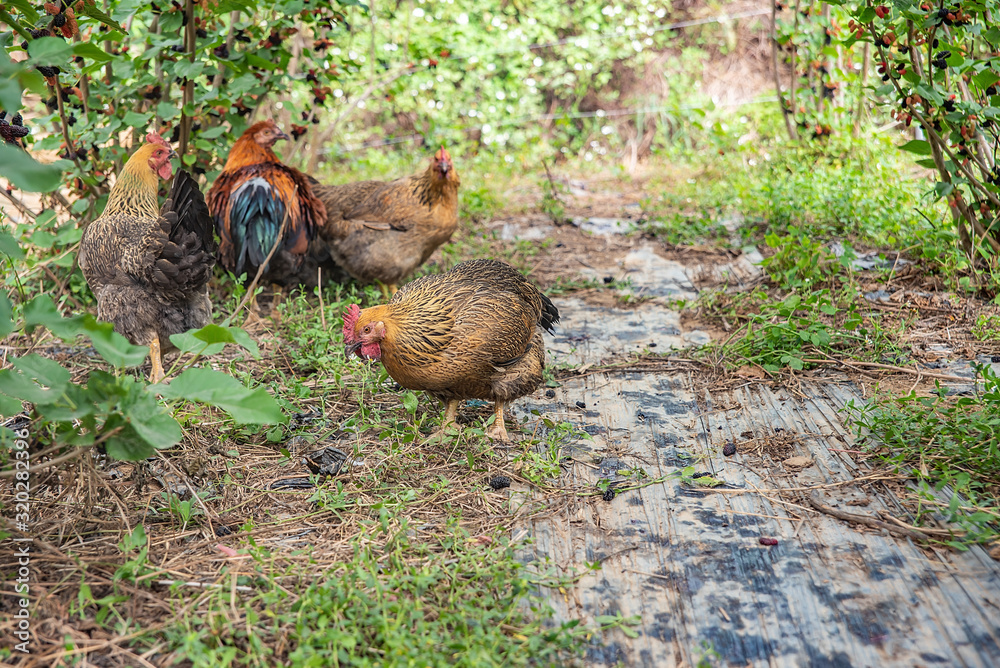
(764, 569)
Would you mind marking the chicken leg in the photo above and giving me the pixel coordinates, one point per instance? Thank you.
(156, 372)
(448, 418)
(450, 413)
(388, 289)
(498, 430)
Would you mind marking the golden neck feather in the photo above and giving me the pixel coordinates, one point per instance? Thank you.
(135, 189)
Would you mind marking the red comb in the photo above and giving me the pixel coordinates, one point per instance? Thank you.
(153, 138)
(442, 154)
(351, 316)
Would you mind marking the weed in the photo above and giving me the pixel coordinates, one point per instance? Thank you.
(565, 285)
(802, 262)
(620, 621)
(987, 327)
(950, 444)
(458, 600)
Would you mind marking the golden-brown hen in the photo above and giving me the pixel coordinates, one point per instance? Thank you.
(472, 333)
(149, 267)
(381, 232)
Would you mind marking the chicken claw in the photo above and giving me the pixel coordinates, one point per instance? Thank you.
(498, 430)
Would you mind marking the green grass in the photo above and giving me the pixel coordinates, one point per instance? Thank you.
(459, 600)
(950, 444)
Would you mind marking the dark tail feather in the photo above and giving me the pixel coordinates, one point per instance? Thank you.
(185, 262)
(550, 315)
(188, 203)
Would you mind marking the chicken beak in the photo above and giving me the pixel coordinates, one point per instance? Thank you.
(282, 135)
(352, 349)
(173, 155)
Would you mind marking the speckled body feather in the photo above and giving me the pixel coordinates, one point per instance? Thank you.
(149, 268)
(249, 201)
(382, 231)
(472, 333)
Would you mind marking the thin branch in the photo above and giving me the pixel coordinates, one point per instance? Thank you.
(188, 97)
(785, 108)
(865, 520)
(230, 38)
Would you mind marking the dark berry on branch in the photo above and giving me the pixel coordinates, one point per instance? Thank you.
(59, 20)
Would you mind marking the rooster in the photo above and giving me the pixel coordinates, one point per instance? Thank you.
(254, 199)
(380, 232)
(149, 268)
(472, 333)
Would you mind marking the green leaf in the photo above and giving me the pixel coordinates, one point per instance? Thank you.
(128, 445)
(6, 316)
(8, 246)
(167, 111)
(10, 95)
(151, 422)
(188, 70)
(216, 336)
(9, 406)
(257, 61)
(124, 9)
(217, 389)
(986, 78)
(212, 133)
(136, 120)
(943, 188)
(410, 402)
(918, 146)
(113, 347)
(91, 52)
(93, 12)
(21, 387)
(42, 311)
(51, 51)
(25, 173)
(44, 371)
(25, 8)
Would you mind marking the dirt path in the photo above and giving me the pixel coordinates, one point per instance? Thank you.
(689, 563)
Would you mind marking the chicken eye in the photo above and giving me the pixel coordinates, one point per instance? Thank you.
(368, 329)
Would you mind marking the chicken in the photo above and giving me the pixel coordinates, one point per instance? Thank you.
(472, 333)
(250, 201)
(149, 268)
(381, 232)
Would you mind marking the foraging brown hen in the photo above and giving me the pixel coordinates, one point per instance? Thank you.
(472, 333)
(149, 268)
(381, 232)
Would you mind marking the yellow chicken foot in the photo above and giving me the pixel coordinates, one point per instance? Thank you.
(498, 430)
(277, 293)
(156, 372)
